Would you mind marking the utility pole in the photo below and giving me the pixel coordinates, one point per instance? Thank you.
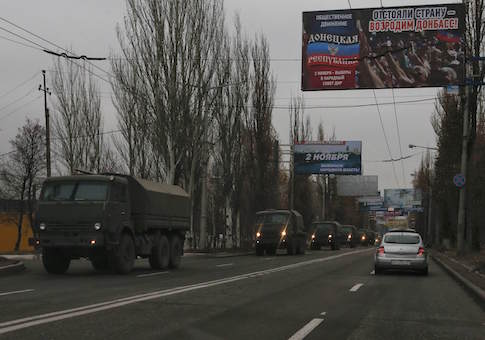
(47, 127)
(292, 176)
(460, 229)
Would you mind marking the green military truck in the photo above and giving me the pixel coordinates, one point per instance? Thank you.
(279, 229)
(111, 220)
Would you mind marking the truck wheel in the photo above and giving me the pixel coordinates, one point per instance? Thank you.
(302, 247)
(123, 258)
(259, 251)
(100, 263)
(54, 261)
(160, 255)
(291, 248)
(175, 252)
(271, 250)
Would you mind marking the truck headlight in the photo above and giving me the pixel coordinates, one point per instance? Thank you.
(258, 234)
(97, 226)
(283, 233)
(350, 236)
(42, 226)
(330, 236)
(313, 236)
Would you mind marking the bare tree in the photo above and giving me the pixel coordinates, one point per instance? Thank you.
(22, 170)
(171, 49)
(77, 123)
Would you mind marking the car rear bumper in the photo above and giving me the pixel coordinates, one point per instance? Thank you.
(403, 263)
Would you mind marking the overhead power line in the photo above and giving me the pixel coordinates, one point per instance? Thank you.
(65, 55)
(20, 107)
(53, 44)
(19, 85)
(16, 100)
(20, 43)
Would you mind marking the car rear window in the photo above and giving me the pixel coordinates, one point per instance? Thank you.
(402, 238)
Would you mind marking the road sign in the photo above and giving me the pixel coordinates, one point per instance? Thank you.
(459, 180)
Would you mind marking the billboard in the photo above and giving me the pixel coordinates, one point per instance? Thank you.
(337, 157)
(357, 186)
(396, 47)
(402, 198)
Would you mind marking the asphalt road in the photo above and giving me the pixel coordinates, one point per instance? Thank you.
(321, 295)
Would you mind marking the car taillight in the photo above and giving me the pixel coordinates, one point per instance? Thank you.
(421, 251)
(380, 250)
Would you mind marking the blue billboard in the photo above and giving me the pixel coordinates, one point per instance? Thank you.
(336, 157)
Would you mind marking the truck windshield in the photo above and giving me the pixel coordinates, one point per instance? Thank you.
(324, 227)
(347, 230)
(272, 219)
(75, 191)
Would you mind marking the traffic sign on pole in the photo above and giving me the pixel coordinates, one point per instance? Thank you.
(459, 180)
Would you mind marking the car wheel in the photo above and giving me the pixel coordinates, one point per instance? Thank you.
(54, 261)
(160, 254)
(424, 272)
(377, 271)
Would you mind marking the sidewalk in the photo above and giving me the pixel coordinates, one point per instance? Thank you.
(8, 266)
(468, 271)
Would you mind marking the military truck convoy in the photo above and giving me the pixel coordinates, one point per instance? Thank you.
(111, 220)
(285, 229)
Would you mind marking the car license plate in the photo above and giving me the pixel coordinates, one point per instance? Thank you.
(400, 263)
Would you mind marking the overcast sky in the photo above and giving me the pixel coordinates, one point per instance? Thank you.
(88, 27)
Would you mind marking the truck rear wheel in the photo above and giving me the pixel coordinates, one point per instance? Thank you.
(160, 256)
(175, 252)
(123, 258)
(100, 262)
(54, 261)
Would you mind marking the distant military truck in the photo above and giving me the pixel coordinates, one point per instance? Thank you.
(110, 219)
(280, 229)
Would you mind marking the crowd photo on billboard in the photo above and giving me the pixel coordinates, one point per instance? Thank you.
(402, 47)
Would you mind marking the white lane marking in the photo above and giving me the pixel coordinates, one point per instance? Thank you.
(17, 292)
(373, 272)
(153, 274)
(323, 313)
(356, 287)
(13, 325)
(225, 265)
(303, 332)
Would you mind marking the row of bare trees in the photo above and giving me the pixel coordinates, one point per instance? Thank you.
(436, 180)
(194, 102)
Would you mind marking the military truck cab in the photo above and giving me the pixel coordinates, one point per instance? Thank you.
(279, 229)
(110, 220)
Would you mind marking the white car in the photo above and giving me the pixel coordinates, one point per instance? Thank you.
(401, 250)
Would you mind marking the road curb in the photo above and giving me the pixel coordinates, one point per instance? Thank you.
(474, 290)
(12, 268)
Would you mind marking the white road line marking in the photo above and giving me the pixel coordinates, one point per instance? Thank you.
(373, 272)
(303, 332)
(225, 265)
(356, 287)
(153, 274)
(17, 292)
(323, 313)
(13, 325)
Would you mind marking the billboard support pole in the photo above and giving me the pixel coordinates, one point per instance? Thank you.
(460, 237)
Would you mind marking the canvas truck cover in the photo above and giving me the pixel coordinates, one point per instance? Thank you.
(158, 205)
